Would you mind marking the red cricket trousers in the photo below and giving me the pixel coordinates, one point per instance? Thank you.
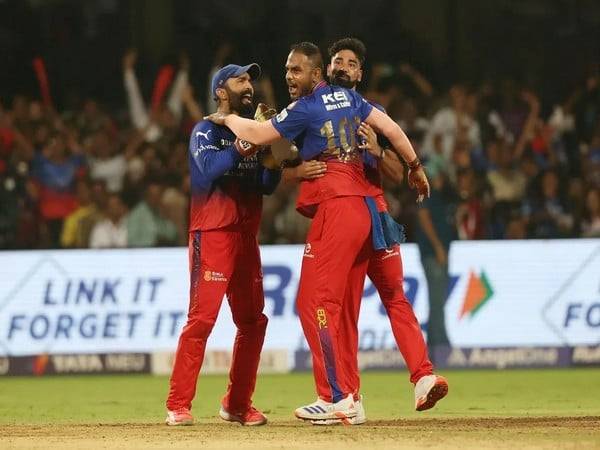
(221, 262)
(385, 271)
(338, 246)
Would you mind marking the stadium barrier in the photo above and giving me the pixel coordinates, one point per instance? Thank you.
(505, 297)
(276, 361)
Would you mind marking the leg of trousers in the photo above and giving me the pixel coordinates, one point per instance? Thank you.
(221, 262)
(385, 271)
(247, 301)
(348, 333)
(338, 234)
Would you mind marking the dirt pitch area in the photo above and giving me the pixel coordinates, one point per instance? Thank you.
(549, 432)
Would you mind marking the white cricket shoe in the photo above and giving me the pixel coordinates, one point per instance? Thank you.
(429, 390)
(322, 410)
(359, 419)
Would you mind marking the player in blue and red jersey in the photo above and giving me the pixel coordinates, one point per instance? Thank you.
(227, 184)
(347, 58)
(323, 122)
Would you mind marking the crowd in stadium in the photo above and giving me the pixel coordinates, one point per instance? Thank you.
(502, 164)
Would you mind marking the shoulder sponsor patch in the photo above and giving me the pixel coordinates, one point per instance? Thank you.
(281, 116)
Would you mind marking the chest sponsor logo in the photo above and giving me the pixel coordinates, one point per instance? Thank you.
(335, 100)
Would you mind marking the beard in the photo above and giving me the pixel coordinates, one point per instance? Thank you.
(238, 102)
(341, 78)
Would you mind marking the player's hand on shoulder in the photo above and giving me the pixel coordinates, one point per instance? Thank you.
(218, 118)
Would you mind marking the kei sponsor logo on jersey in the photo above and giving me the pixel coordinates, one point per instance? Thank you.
(335, 100)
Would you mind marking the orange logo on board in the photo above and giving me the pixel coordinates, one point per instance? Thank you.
(479, 291)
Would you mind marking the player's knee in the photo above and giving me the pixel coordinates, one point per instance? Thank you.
(198, 327)
(393, 297)
(257, 324)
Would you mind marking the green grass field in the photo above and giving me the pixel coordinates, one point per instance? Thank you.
(484, 409)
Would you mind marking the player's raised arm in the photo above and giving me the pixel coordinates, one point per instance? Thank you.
(392, 131)
(259, 133)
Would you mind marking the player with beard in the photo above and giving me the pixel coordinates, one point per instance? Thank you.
(323, 122)
(227, 184)
(347, 57)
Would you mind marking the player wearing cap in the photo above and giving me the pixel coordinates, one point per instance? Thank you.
(227, 184)
(323, 122)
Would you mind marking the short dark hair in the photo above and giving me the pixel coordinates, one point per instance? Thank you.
(311, 51)
(353, 44)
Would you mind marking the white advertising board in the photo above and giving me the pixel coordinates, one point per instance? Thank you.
(524, 293)
(86, 301)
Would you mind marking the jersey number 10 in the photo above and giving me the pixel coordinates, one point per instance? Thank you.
(345, 129)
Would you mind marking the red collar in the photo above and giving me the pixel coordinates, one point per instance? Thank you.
(319, 85)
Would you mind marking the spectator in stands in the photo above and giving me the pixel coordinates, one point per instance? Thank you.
(470, 214)
(452, 123)
(78, 225)
(147, 224)
(591, 163)
(513, 110)
(160, 117)
(56, 169)
(437, 228)
(105, 162)
(587, 107)
(508, 186)
(111, 231)
(549, 216)
(591, 221)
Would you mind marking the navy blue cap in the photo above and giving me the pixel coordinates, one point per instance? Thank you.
(233, 70)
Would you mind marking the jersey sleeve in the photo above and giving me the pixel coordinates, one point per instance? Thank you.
(293, 120)
(212, 161)
(381, 139)
(364, 107)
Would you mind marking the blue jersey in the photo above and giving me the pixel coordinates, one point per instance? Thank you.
(226, 188)
(324, 126)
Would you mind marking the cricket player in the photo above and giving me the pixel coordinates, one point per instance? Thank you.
(228, 182)
(347, 58)
(323, 123)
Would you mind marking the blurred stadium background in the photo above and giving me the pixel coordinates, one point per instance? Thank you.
(501, 99)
